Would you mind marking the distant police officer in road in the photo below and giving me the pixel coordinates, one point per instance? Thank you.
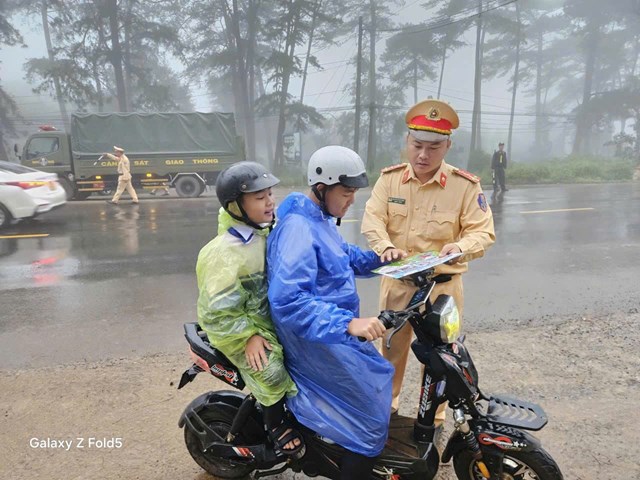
(124, 178)
(424, 205)
(499, 165)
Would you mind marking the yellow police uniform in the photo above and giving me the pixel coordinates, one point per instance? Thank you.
(124, 178)
(404, 213)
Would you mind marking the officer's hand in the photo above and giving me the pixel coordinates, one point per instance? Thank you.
(256, 354)
(369, 328)
(391, 254)
(448, 249)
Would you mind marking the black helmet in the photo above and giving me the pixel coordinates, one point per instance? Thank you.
(240, 178)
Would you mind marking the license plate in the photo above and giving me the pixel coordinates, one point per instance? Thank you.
(52, 185)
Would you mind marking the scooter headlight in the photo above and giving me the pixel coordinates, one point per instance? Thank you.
(443, 322)
(449, 321)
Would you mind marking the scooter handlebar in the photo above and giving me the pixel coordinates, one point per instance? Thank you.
(391, 320)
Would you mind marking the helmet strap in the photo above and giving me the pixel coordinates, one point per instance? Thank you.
(321, 195)
(244, 218)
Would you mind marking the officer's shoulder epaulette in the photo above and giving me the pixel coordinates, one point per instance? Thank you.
(393, 167)
(468, 175)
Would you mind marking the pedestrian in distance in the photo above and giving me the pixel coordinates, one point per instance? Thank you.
(498, 167)
(124, 175)
(426, 205)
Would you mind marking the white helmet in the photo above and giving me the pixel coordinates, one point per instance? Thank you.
(335, 164)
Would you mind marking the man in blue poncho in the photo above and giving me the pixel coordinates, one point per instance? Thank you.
(344, 385)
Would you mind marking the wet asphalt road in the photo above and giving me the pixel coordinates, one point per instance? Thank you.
(113, 281)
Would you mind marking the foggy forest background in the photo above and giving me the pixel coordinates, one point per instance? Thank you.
(570, 70)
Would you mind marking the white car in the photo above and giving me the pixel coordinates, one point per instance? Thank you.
(25, 192)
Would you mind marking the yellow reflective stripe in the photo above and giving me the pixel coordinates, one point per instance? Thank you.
(558, 210)
(34, 235)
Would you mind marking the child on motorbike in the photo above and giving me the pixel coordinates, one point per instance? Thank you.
(344, 384)
(233, 307)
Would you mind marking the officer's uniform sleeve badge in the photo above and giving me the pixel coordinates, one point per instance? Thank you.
(482, 202)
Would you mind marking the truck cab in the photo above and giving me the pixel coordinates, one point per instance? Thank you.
(49, 150)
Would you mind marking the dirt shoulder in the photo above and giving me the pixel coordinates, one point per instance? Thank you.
(584, 371)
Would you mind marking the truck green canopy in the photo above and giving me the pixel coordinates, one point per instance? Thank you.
(145, 133)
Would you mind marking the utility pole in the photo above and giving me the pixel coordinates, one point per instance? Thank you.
(475, 120)
(44, 11)
(356, 133)
(516, 73)
(415, 81)
(316, 9)
(371, 146)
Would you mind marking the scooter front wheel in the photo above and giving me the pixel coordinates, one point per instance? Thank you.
(220, 422)
(534, 465)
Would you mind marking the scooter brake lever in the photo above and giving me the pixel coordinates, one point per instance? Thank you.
(399, 326)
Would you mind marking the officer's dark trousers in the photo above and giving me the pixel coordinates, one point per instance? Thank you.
(499, 179)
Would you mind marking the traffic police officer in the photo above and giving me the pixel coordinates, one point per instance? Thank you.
(424, 205)
(499, 165)
(124, 178)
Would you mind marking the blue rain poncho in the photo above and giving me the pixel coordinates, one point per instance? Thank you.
(344, 385)
(233, 305)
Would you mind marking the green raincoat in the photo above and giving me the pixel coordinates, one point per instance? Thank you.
(233, 305)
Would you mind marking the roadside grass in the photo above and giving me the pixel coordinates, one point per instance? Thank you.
(572, 169)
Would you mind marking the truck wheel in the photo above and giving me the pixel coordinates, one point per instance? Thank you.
(69, 187)
(188, 186)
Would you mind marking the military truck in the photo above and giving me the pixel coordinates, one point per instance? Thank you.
(181, 150)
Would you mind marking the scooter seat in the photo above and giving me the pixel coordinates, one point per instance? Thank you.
(200, 345)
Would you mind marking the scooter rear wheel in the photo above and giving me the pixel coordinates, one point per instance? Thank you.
(219, 421)
(534, 465)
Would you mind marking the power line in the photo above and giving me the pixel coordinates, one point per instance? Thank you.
(346, 59)
(324, 92)
(344, 72)
(406, 107)
(339, 44)
(442, 23)
(314, 72)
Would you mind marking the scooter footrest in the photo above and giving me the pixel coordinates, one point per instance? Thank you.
(516, 413)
